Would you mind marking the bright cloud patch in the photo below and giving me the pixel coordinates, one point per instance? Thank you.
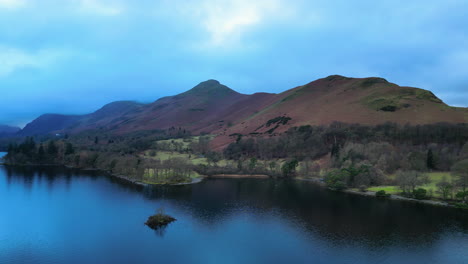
(12, 4)
(229, 19)
(101, 7)
(225, 21)
(12, 59)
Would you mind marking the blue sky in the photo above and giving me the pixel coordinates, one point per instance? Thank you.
(73, 56)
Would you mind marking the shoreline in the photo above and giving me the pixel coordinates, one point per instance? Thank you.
(136, 182)
(107, 173)
(316, 181)
(240, 176)
(401, 198)
(371, 194)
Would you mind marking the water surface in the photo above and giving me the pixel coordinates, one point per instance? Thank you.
(56, 215)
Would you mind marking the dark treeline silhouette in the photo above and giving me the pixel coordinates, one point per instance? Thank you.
(353, 155)
(316, 141)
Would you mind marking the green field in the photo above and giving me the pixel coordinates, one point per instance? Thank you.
(194, 159)
(185, 142)
(151, 178)
(434, 178)
(201, 160)
(387, 189)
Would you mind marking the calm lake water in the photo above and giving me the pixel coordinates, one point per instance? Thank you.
(55, 215)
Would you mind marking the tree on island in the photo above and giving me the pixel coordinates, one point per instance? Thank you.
(160, 219)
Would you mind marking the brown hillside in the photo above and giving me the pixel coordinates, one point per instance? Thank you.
(351, 100)
(216, 109)
(209, 107)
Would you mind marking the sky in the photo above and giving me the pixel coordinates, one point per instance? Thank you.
(74, 56)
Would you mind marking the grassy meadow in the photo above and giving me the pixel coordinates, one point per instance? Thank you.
(431, 186)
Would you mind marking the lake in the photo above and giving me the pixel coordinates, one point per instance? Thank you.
(58, 215)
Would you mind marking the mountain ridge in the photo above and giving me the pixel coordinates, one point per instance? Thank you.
(6, 130)
(211, 107)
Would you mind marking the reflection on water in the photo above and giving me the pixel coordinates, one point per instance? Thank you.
(83, 217)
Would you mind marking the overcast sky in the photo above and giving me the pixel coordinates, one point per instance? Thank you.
(73, 56)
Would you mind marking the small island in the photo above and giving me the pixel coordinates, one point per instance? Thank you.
(159, 220)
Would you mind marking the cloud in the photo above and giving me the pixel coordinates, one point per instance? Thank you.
(226, 21)
(101, 7)
(12, 4)
(162, 47)
(13, 59)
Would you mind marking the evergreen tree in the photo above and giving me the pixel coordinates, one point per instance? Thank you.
(289, 168)
(335, 151)
(41, 153)
(69, 148)
(52, 148)
(430, 162)
(11, 148)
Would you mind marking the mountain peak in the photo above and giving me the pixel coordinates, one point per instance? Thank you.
(211, 82)
(336, 77)
(211, 88)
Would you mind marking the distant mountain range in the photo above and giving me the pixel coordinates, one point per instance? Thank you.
(8, 130)
(214, 108)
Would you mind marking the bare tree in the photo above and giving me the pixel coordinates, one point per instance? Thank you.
(409, 180)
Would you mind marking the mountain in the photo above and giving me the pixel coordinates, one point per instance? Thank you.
(367, 101)
(56, 123)
(8, 130)
(211, 107)
(355, 100)
(207, 107)
(107, 117)
(48, 123)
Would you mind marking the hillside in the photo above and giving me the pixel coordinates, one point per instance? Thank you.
(8, 130)
(211, 107)
(206, 108)
(353, 100)
(367, 101)
(102, 118)
(48, 124)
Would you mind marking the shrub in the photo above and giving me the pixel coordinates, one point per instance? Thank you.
(461, 195)
(420, 194)
(336, 179)
(461, 206)
(382, 193)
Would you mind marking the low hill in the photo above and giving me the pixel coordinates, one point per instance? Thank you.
(107, 118)
(6, 131)
(47, 124)
(102, 118)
